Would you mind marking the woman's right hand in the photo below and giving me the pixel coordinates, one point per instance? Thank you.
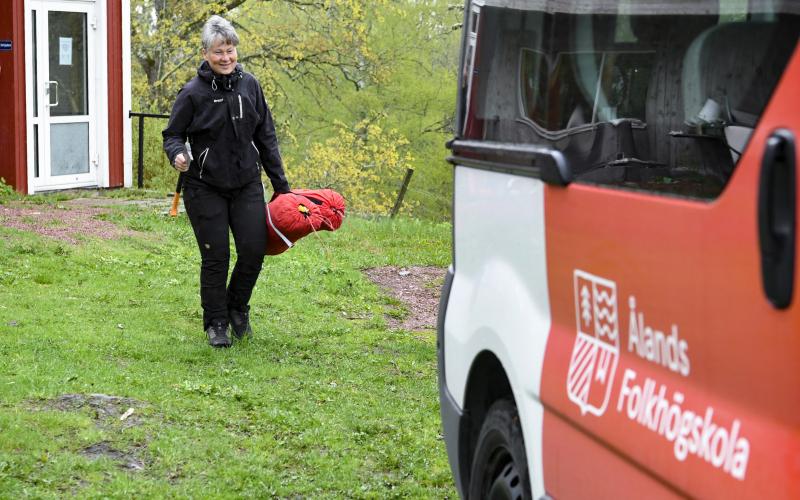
(180, 163)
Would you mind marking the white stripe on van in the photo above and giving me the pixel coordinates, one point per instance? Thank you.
(499, 298)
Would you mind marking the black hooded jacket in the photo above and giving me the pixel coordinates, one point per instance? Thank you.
(229, 128)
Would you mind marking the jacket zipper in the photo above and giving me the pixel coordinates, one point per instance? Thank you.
(204, 154)
(241, 113)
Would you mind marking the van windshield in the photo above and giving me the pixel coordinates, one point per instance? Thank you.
(649, 95)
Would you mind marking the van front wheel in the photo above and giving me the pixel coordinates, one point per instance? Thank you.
(499, 466)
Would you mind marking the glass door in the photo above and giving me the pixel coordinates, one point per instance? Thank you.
(64, 153)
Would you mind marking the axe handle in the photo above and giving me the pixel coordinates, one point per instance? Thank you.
(176, 199)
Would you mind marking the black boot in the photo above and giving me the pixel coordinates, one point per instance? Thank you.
(240, 322)
(217, 333)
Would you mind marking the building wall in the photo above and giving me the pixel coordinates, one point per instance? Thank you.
(116, 174)
(13, 149)
(12, 96)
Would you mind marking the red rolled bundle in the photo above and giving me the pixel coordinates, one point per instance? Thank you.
(331, 205)
(290, 216)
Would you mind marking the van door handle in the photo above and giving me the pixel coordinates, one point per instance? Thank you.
(776, 217)
(550, 165)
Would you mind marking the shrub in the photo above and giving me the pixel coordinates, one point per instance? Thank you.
(364, 163)
(7, 192)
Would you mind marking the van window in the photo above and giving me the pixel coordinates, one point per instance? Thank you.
(660, 96)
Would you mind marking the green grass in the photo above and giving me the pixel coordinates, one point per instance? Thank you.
(324, 402)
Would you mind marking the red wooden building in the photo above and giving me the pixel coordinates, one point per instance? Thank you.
(65, 94)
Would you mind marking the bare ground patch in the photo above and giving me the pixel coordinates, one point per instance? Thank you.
(63, 224)
(109, 413)
(417, 288)
(103, 449)
(67, 221)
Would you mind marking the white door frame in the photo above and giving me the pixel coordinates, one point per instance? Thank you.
(96, 95)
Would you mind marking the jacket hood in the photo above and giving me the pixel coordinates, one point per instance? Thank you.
(217, 81)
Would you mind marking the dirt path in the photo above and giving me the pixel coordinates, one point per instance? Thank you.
(67, 221)
(417, 287)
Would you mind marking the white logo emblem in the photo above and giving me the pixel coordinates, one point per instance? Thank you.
(596, 350)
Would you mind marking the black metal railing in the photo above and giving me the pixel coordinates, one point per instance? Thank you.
(140, 145)
(140, 161)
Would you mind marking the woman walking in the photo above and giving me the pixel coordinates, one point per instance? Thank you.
(219, 136)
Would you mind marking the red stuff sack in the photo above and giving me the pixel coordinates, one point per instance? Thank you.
(331, 206)
(290, 216)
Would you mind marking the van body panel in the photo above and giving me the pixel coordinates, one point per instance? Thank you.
(583, 467)
(450, 412)
(668, 292)
(498, 299)
(630, 310)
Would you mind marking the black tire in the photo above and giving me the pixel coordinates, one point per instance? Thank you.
(500, 467)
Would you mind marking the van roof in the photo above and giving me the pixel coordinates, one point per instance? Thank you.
(642, 7)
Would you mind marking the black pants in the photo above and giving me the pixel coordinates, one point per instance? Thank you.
(212, 211)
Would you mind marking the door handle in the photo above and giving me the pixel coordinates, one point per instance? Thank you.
(776, 217)
(47, 86)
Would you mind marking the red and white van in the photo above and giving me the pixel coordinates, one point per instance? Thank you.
(621, 319)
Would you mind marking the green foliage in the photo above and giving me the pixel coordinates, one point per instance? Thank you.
(303, 39)
(7, 192)
(328, 68)
(158, 173)
(323, 402)
(357, 162)
(414, 97)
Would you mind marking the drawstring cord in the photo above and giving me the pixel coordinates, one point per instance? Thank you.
(306, 215)
(326, 250)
